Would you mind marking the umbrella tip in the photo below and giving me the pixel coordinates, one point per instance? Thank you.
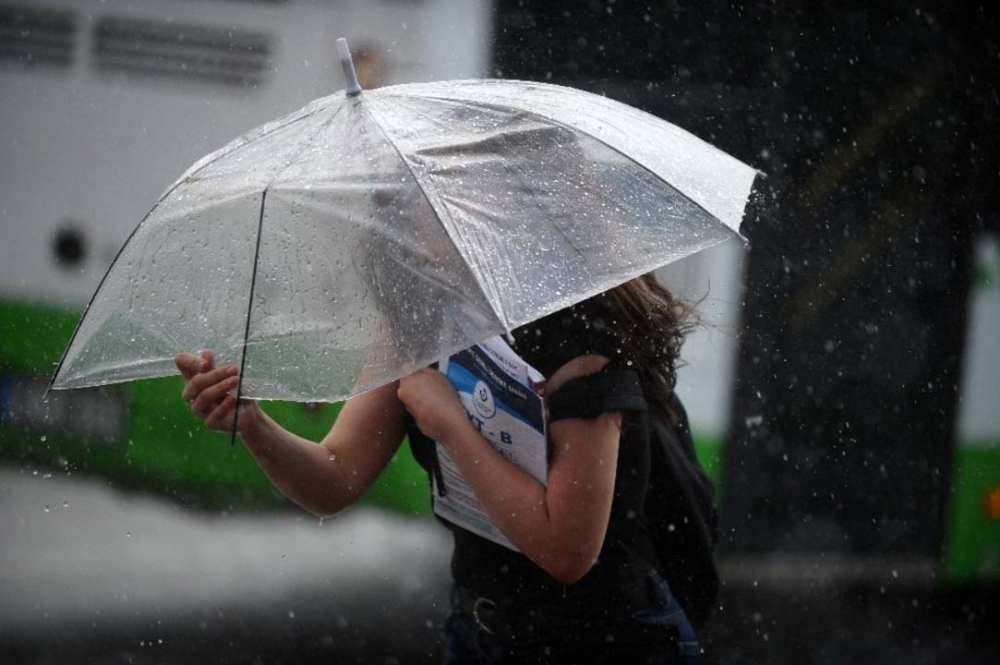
(350, 76)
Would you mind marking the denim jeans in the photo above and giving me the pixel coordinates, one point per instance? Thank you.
(658, 634)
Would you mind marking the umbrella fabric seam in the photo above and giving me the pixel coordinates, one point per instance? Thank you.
(413, 90)
(246, 332)
(513, 275)
(618, 151)
(305, 144)
(400, 90)
(495, 300)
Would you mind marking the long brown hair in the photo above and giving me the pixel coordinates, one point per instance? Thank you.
(653, 325)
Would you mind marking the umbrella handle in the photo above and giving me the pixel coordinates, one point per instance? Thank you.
(350, 76)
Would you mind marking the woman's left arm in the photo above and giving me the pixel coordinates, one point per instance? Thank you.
(560, 527)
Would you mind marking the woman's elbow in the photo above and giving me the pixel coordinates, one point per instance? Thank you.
(570, 569)
(320, 509)
(327, 505)
(324, 511)
(570, 574)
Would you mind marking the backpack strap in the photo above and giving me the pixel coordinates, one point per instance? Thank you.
(590, 395)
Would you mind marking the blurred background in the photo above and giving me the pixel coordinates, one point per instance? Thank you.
(844, 388)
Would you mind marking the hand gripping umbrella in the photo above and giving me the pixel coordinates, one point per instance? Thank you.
(371, 233)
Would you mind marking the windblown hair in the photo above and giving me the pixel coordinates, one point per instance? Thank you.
(652, 325)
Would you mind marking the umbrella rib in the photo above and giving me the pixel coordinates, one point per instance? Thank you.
(543, 116)
(256, 260)
(493, 302)
(222, 152)
(246, 332)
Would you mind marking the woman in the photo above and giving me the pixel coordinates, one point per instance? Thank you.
(584, 587)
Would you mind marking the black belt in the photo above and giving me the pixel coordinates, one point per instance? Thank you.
(487, 614)
(504, 617)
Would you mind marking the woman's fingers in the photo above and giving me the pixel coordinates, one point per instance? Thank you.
(207, 400)
(188, 364)
(207, 389)
(194, 386)
(221, 416)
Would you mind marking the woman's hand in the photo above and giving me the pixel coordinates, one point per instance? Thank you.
(207, 390)
(432, 401)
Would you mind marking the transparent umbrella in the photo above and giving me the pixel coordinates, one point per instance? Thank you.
(373, 232)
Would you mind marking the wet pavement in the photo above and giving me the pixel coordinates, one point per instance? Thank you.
(90, 574)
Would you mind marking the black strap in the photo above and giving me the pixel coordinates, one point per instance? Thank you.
(592, 394)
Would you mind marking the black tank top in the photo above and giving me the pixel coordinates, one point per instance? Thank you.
(511, 578)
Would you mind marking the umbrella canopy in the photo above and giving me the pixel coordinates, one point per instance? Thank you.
(367, 235)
